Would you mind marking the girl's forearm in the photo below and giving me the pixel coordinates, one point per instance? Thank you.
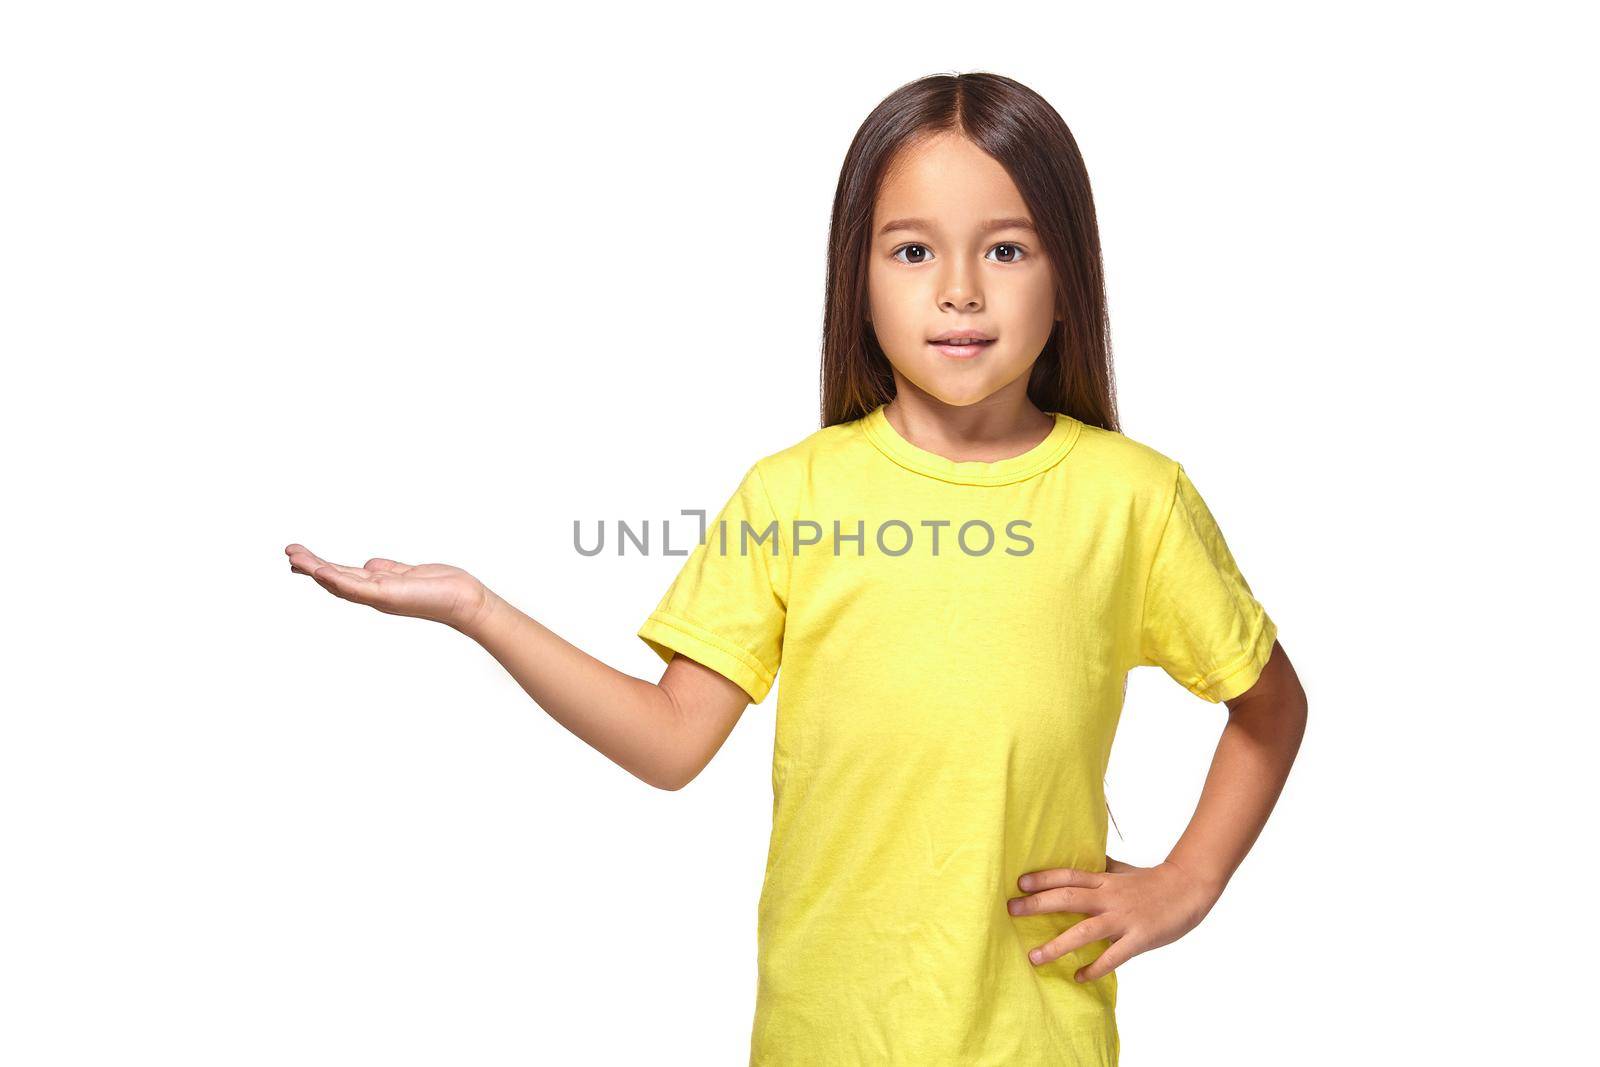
(1252, 762)
(630, 721)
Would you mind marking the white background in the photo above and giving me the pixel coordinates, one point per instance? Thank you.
(433, 281)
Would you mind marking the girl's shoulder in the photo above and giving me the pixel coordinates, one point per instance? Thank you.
(1129, 459)
(838, 445)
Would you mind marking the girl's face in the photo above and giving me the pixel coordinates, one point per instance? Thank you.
(953, 248)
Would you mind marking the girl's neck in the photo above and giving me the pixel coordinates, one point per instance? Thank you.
(995, 428)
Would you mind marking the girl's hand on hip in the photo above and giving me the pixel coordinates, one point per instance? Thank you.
(435, 591)
(1136, 908)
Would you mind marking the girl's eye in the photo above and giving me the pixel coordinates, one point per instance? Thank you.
(1016, 253)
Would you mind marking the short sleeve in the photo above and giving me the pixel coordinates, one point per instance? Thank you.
(726, 607)
(1202, 625)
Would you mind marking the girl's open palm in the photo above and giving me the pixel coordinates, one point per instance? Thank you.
(435, 591)
(1136, 908)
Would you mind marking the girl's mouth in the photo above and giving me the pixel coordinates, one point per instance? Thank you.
(961, 349)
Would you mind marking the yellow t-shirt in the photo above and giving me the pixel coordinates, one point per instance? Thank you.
(955, 640)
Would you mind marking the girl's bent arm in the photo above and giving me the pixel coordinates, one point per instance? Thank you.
(1252, 761)
(662, 733)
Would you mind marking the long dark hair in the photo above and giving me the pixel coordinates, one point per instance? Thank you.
(1020, 129)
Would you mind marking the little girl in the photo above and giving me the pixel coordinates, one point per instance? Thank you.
(956, 573)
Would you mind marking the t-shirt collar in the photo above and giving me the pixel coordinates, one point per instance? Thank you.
(1040, 457)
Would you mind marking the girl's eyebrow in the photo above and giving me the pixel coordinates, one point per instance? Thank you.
(1016, 223)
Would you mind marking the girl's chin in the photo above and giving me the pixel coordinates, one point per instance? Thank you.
(960, 393)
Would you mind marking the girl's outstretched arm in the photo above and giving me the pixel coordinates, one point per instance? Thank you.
(662, 733)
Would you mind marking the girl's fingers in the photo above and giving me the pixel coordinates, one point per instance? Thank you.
(348, 572)
(1083, 932)
(1057, 877)
(331, 579)
(1083, 901)
(1121, 950)
(308, 563)
(305, 561)
(298, 550)
(351, 584)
